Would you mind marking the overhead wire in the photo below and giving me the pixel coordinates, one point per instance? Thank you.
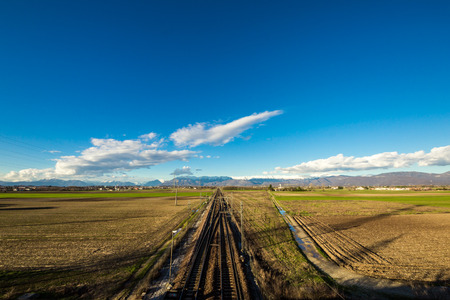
(21, 143)
(19, 153)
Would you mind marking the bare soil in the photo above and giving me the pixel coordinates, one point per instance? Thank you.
(81, 246)
(411, 247)
(380, 239)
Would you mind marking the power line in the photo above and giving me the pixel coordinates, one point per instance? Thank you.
(19, 143)
(20, 154)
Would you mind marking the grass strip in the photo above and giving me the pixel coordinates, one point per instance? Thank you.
(432, 200)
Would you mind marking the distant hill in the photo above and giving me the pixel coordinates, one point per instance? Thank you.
(198, 181)
(385, 179)
(152, 183)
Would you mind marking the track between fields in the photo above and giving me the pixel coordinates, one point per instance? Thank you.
(215, 270)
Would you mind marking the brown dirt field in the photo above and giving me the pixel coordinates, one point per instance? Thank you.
(380, 239)
(40, 233)
(417, 247)
(46, 244)
(355, 208)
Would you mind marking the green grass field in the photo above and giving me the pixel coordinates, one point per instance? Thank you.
(433, 198)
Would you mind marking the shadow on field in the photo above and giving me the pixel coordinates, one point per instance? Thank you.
(382, 244)
(122, 199)
(28, 208)
(363, 220)
(108, 264)
(68, 222)
(270, 234)
(370, 254)
(440, 277)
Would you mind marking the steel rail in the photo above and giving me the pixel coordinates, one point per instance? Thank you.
(205, 260)
(222, 256)
(201, 253)
(198, 252)
(217, 224)
(237, 282)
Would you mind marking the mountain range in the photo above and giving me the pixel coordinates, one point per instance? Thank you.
(384, 179)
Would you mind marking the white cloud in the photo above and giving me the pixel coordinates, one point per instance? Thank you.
(203, 133)
(106, 156)
(53, 151)
(436, 157)
(439, 156)
(30, 174)
(148, 136)
(182, 171)
(109, 155)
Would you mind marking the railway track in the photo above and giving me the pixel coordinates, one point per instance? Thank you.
(214, 269)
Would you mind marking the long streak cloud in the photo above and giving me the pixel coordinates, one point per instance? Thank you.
(203, 133)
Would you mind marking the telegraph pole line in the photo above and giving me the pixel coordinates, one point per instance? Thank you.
(242, 229)
(171, 251)
(175, 186)
(231, 203)
(176, 192)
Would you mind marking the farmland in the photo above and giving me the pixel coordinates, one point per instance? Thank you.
(83, 243)
(395, 235)
(98, 244)
(279, 267)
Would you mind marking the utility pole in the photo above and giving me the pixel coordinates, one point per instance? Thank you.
(175, 187)
(231, 204)
(242, 229)
(171, 251)
(176, 192)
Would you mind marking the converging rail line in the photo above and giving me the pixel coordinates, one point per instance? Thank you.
(214, 271)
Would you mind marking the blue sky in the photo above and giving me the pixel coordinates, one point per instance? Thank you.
(237, 88)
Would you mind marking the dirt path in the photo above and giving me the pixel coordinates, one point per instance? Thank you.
(345, 277)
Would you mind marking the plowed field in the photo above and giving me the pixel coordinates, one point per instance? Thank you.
(380, 239)
(81, 244)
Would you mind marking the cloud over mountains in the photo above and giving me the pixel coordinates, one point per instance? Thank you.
(439, 156)
(182, 171)
(108, 156)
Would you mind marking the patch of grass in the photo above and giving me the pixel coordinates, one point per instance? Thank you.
(281, 269)
(321, 252)
(437, 200)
